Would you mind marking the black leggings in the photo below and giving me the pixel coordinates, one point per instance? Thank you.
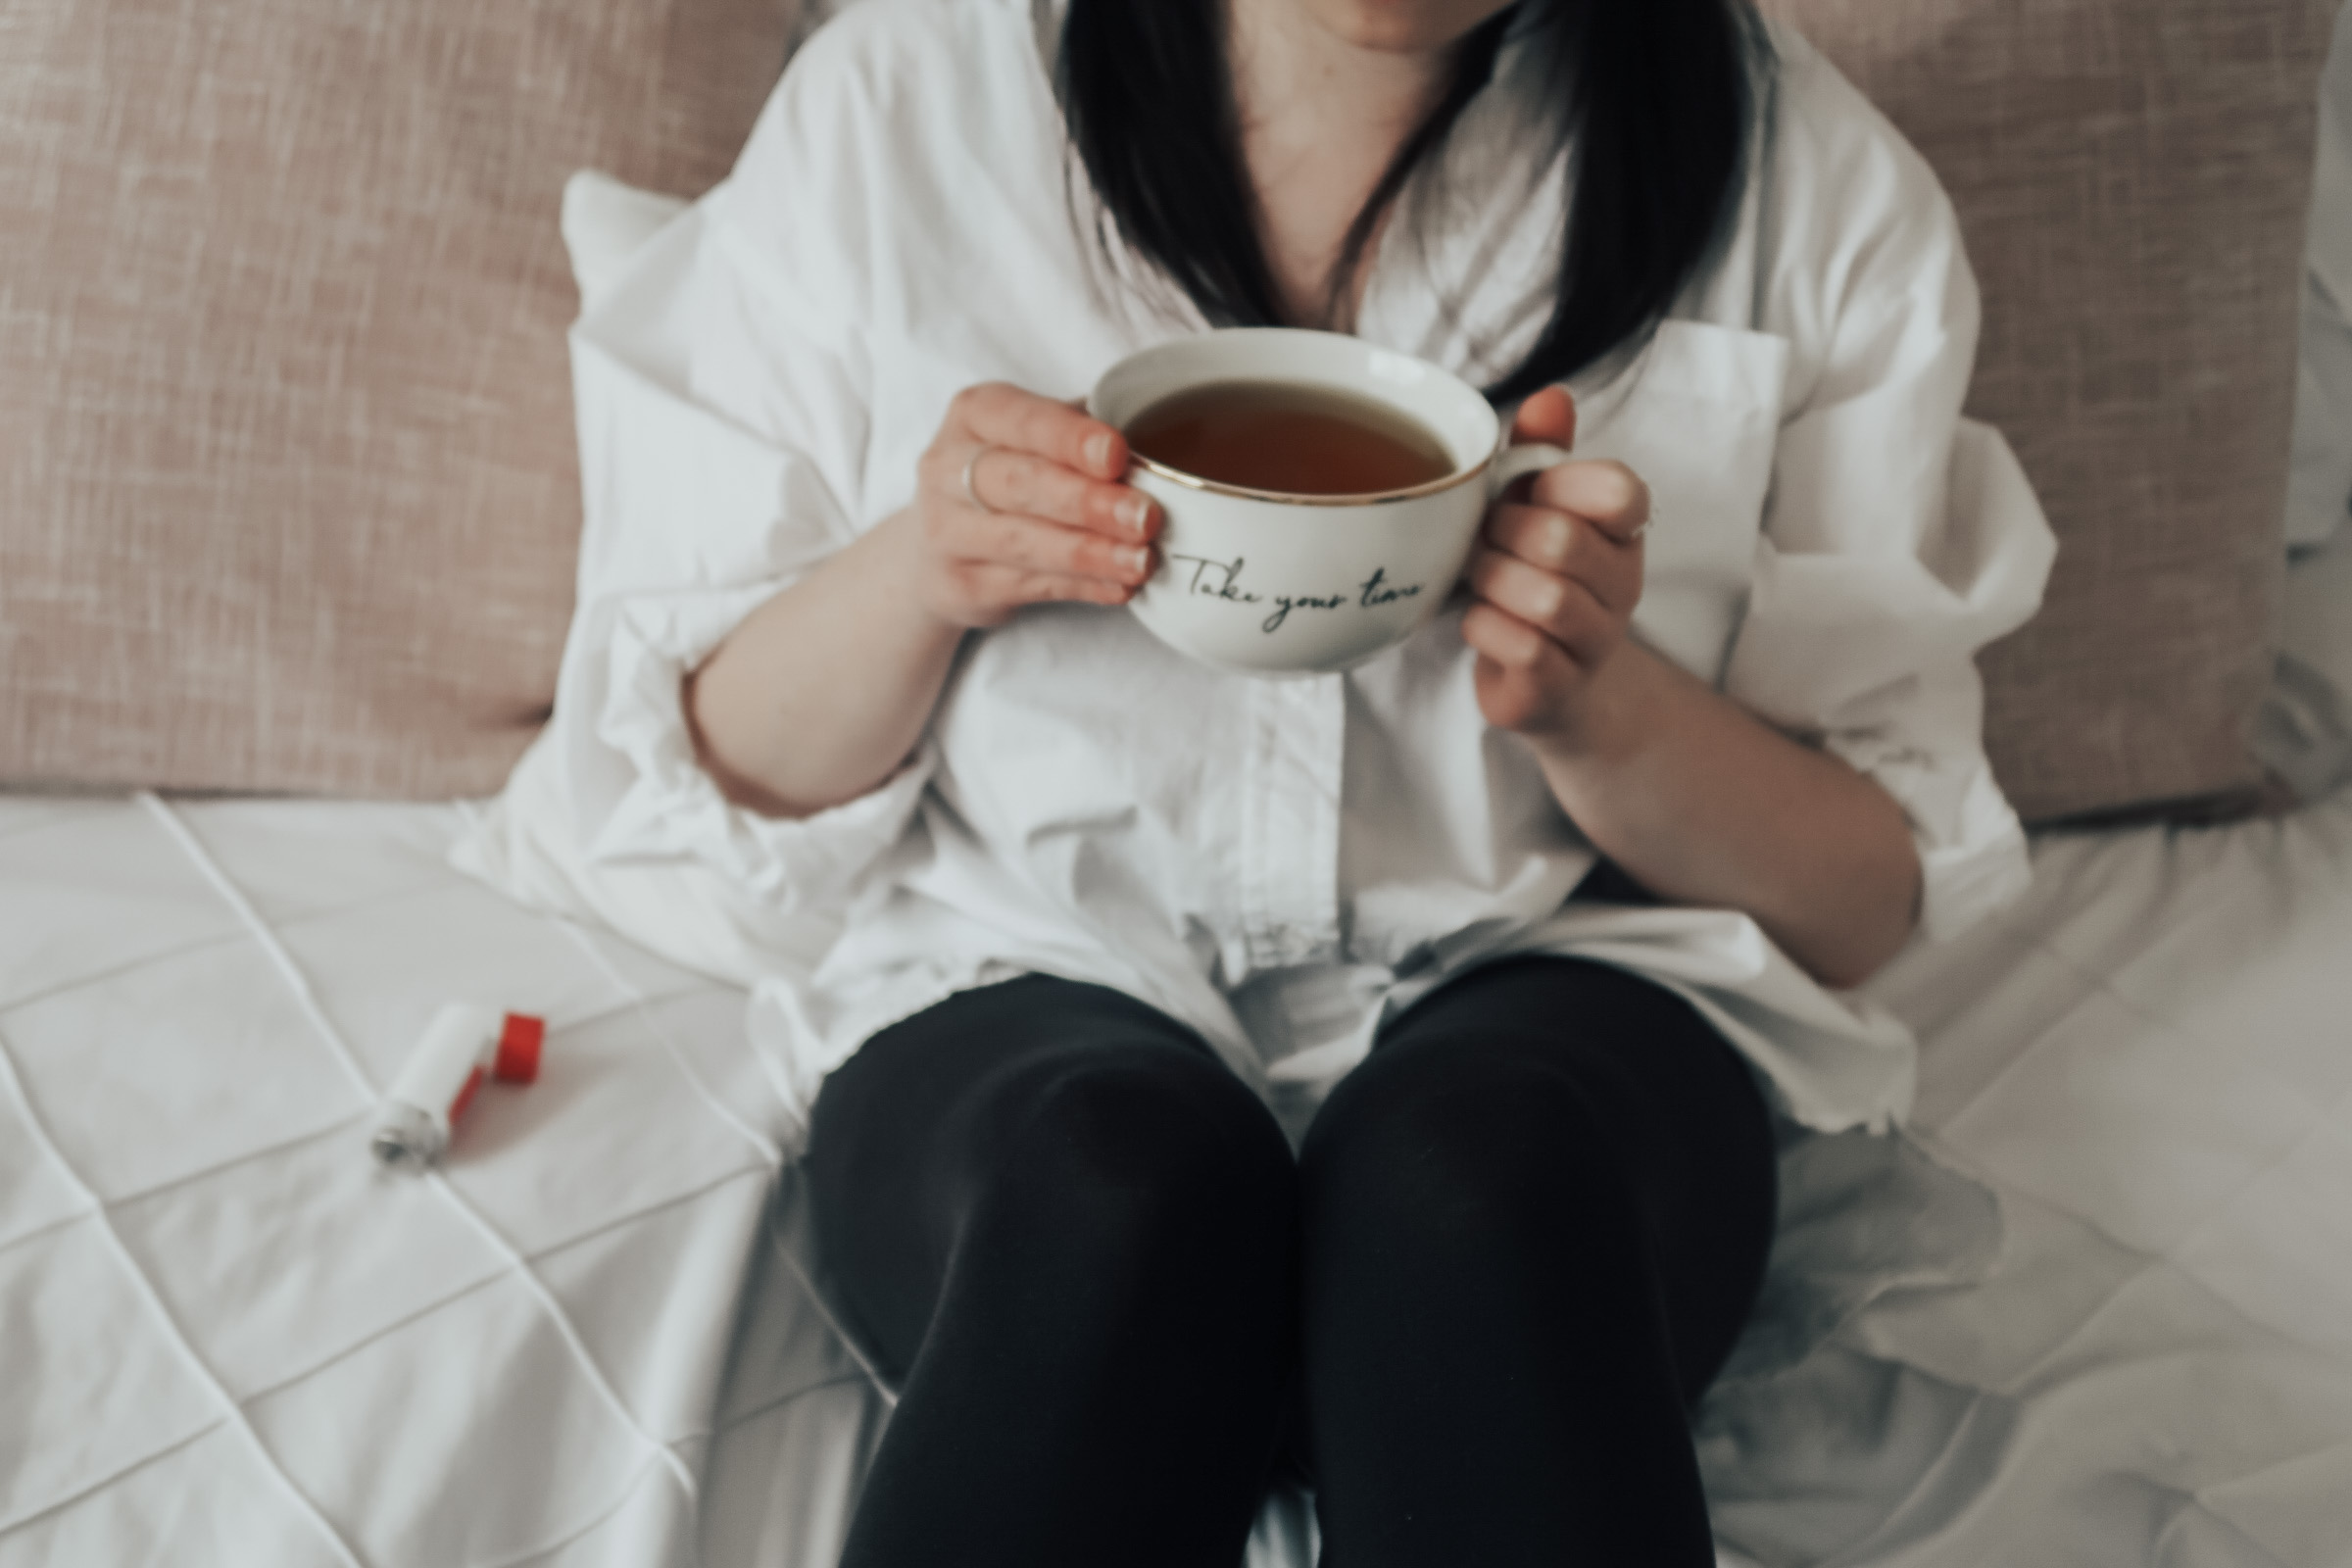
(1474, 1313)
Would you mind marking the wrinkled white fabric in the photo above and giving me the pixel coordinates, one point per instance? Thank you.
(2145, 1360)
(1279, 865)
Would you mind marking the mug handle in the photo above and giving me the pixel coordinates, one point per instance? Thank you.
(1514, 460)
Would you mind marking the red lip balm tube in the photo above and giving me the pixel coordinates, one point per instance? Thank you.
(464, 1044)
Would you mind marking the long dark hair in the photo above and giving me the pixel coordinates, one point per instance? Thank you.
(1654, 97)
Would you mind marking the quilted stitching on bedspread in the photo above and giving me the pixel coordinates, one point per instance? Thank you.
(224, 1337)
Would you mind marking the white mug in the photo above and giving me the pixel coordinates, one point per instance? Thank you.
(1263, 583)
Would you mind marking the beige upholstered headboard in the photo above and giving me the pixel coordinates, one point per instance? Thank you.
(2131, 175)
(288, 497)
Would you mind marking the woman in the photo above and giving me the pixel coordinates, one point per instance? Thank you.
(1516, 931)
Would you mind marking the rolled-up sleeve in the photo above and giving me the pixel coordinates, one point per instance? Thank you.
(1900, 537)
(722, 397)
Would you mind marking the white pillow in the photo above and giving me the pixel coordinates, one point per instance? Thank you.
(525, 841)
(2320, 483)
(2305, 734)
(603, 224)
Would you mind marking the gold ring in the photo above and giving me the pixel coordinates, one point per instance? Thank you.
(971, 464)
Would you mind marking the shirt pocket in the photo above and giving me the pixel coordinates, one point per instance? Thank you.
(1697, 417)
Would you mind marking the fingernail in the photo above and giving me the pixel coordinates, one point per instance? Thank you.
(1135, 512)
(1098, 448)
(1133, 558)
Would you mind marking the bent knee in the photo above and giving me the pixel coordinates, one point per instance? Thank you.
(1142, 1140)
(1470, 1144)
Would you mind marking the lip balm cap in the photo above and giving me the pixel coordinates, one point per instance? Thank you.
(519, 1039)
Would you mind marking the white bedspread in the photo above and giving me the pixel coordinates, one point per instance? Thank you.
(224, 1339)
(2152, 1064)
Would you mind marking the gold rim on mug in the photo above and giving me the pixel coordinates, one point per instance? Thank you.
(1371, 498)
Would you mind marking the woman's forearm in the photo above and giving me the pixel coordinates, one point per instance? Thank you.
(822, 691)
(1704, 803)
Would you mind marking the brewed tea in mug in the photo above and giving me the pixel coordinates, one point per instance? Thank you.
(1289, 439)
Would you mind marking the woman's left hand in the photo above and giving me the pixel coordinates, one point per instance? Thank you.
(1553, 580)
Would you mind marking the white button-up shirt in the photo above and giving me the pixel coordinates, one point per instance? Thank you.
(1279, 865)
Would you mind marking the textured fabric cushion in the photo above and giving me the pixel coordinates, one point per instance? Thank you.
(2131, 175)
(288, 496)
(286, 488)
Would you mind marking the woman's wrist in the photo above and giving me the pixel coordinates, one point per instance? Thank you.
(899, 537)
(1614, 714)
(1704, 803)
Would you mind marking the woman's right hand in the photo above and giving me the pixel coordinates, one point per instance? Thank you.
(824, 690)
(1053, 522)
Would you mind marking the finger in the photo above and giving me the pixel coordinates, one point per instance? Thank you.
(1035, 545)
(1523, 678)
(1547, 414)
(1609, 494)
(1504, 638)
(1000, 415)
(1558, 608)
(1006, 480)
(1572, 547)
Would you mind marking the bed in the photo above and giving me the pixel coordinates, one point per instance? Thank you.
(2096, 1309)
